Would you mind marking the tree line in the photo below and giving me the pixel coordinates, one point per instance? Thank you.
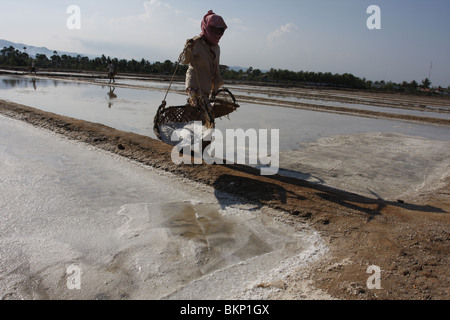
(345, 80)
(15, 58)
(292, 77)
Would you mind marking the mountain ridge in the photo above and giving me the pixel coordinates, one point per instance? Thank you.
(32, 51)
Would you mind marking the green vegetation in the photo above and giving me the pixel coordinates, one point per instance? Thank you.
(291, 77)
(345, 80)
(12, 57)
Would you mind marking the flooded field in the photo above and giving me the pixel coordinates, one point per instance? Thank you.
(130, 105)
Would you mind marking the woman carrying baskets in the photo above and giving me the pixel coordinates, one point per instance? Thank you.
(202, 54)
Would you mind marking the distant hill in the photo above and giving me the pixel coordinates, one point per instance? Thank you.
(32, 50)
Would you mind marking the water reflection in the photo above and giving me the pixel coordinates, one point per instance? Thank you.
(136, 108)
(26, 82)
(13, 82)
(111, 96)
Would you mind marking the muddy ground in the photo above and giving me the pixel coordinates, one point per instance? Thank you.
(408, 239)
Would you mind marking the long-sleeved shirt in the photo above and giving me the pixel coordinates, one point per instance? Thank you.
(203, 59)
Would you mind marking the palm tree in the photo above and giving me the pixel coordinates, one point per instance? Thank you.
(426, 83)
(414, 85)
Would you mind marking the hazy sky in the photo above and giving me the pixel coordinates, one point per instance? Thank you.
(310, 35)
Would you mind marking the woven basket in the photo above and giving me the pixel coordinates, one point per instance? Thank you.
(176, 116)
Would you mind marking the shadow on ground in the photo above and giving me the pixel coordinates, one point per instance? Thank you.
(300, 197)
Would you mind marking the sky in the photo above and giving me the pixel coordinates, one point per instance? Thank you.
(413, 41)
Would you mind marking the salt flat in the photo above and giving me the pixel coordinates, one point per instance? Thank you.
(131, 231)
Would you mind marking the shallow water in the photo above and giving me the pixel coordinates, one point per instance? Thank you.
(366, 103)
(125, 109)
(133, 110)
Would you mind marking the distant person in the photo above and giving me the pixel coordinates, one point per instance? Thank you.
(202, 54)
(111, 72)
(33, 67)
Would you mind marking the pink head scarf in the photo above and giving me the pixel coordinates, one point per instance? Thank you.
(212, 20)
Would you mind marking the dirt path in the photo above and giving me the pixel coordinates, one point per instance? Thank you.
(408, 240)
